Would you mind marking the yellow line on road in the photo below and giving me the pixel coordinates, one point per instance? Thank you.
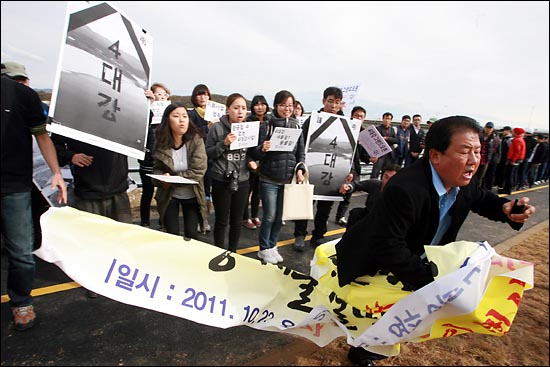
(47, 290)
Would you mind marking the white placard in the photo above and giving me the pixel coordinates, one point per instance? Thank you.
(158, 107)
(350, 93)
(284, 139)
(214, 111)
(173, 179)
(373, 142)
(103, 69)
(248, 133)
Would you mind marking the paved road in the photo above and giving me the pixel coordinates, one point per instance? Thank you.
(74, 330)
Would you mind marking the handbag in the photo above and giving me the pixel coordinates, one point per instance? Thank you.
(298, 198)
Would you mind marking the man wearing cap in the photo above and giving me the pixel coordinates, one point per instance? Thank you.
(516, 155)
(490, 156)
(22, 117)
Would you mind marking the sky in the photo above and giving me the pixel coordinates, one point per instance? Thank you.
(485, 60)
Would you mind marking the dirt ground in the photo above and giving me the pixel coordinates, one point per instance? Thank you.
(525, 345)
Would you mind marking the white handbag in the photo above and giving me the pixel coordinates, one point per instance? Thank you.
(298, 198)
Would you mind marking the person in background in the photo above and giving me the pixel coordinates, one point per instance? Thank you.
(332, 100)
(423, 204)
(523, 170)
(100, 180)
(542, 173)
(505, 141)
(417, 140)
(230, 173)
(199, 98)
(180, 151)
(22, 118)
(389, 134)
(430, 122)
(403, 136)
(535, 159)
(276, 169)
(514, 158)
(373, 187)
(298, 109)
(490, 156)
(260, 108)
(157, 92)
(357, 113)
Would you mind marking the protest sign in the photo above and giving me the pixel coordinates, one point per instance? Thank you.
(247, 132)
(330, 147)
(104, 68)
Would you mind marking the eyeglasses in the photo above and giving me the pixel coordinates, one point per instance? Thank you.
(289, 106)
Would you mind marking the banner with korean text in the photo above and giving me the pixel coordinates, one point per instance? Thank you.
(477, 290)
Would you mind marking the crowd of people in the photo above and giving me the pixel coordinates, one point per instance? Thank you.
(453, 163)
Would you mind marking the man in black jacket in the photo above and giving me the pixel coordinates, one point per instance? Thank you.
(100, 179)
(423, 204)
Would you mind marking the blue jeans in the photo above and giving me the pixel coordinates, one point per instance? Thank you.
(18, 232)
(272, 202)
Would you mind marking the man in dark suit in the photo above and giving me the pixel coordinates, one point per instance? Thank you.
(425, 203)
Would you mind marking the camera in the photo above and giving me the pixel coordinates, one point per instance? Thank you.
(233, 177)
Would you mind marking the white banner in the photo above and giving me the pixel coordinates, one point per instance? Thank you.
(211, 286)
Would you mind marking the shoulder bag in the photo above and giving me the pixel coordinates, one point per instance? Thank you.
(298, 198)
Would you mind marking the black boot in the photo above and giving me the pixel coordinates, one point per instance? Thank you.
(362, 357)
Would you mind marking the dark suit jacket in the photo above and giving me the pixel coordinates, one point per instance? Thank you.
(392, 237)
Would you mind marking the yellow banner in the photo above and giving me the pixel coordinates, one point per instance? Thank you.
(203, 283)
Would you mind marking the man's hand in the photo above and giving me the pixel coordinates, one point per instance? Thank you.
(59, 183)
(82, 160)
(528, 210)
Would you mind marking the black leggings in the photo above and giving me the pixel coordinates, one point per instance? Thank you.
(190, 210)
(228, 209)
(147, 190)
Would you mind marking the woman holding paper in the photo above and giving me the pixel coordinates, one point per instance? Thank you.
(157, 92)
(276, 170)
(180, 151)
(229, 173)
(259, 108)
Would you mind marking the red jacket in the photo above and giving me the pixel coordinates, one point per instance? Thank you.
(517, 149)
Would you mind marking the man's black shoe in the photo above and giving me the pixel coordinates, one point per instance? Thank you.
(315, 241)
(362, 357)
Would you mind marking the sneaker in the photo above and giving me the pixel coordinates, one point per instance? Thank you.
(267, 256)
(248, 224)
(276, 255)
(145, 224)
(257, 221)
(91, 294)
(315, 241)
(207, 227)
(299, 244)
(283, 223)
(342, 221)
(24, 317)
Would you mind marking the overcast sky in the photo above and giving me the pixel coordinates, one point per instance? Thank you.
(486, 60)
